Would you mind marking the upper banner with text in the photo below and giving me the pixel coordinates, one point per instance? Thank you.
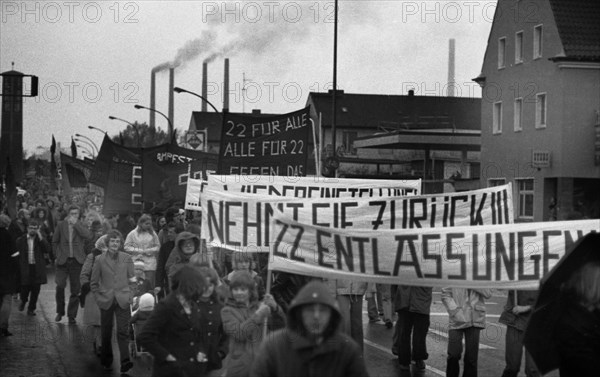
(260, 145)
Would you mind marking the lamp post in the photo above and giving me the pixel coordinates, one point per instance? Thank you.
(90, 141)
(137, 132)
(92, 150)
(85, 149)
(334, 162)
(181, 90)
(156, 111)
(97, 129)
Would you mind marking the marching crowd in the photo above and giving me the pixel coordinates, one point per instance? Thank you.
(202, 311)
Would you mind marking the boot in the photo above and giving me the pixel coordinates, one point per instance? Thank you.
(418, 368)
(404, 371)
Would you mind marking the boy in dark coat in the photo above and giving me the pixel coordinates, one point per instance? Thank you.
(311, 345)
(32, 264)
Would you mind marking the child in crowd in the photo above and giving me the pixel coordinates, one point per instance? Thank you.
(243, 319)
(139, 317)
(241, 261)
(142, 286)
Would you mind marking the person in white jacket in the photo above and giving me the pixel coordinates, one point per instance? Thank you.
(466, 310)
(143, 245)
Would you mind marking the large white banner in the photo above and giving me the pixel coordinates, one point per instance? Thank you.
(512, 256)
(300, 187)
(241, 221)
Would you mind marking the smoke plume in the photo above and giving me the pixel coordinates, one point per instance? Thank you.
(259, 35)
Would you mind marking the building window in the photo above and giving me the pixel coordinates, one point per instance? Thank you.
(349, 138)
(519, 47)
(518, 113)
(497, 118)
(501, 52)
(525, 195)
(540, 110)
(493, 182)
(537, 41)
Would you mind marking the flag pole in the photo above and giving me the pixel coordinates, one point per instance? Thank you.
(317, 159)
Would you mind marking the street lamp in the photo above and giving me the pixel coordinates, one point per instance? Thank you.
(97, 129)
(86, 142)
(91, 142)
(156, 111)
(137, 132)
(85, 149)
(181, 90)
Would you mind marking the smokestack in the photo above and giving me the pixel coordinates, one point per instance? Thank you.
(171, 100)
(204, 84)
(226, 87)
(451, 79)
(152, 98)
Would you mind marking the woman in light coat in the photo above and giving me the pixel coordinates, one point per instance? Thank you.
(143, 245)
(466, 308)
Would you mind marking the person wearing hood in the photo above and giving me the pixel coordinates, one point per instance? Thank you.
(312, 344)
(243, 320)
(186, 245)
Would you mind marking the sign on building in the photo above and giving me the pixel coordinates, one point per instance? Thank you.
(196, 140)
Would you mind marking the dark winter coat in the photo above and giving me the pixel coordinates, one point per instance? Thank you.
(40, 247)
(161, 260)
(16, 230)
(170, 331)
(413, 299)
(286, 286)
(210, 312)
(578, 339)
(518, 321)
(288, 352)
(9, 266)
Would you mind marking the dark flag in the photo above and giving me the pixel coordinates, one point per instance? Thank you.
(53, 169)
(77, 171)
(73, 148)
(170, 169)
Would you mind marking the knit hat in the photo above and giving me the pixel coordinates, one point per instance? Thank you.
(146, 302)
(138, 265)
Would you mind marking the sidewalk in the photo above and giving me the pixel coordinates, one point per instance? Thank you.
(40, 347)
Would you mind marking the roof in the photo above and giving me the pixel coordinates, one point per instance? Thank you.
(393, 112)
(578, 23)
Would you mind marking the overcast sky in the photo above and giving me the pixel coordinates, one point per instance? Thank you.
(94, 58)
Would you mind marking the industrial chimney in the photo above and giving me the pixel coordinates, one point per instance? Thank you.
(451, 79)
(152, 97)
(204, 85)
(171, 100)
(226, 87)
